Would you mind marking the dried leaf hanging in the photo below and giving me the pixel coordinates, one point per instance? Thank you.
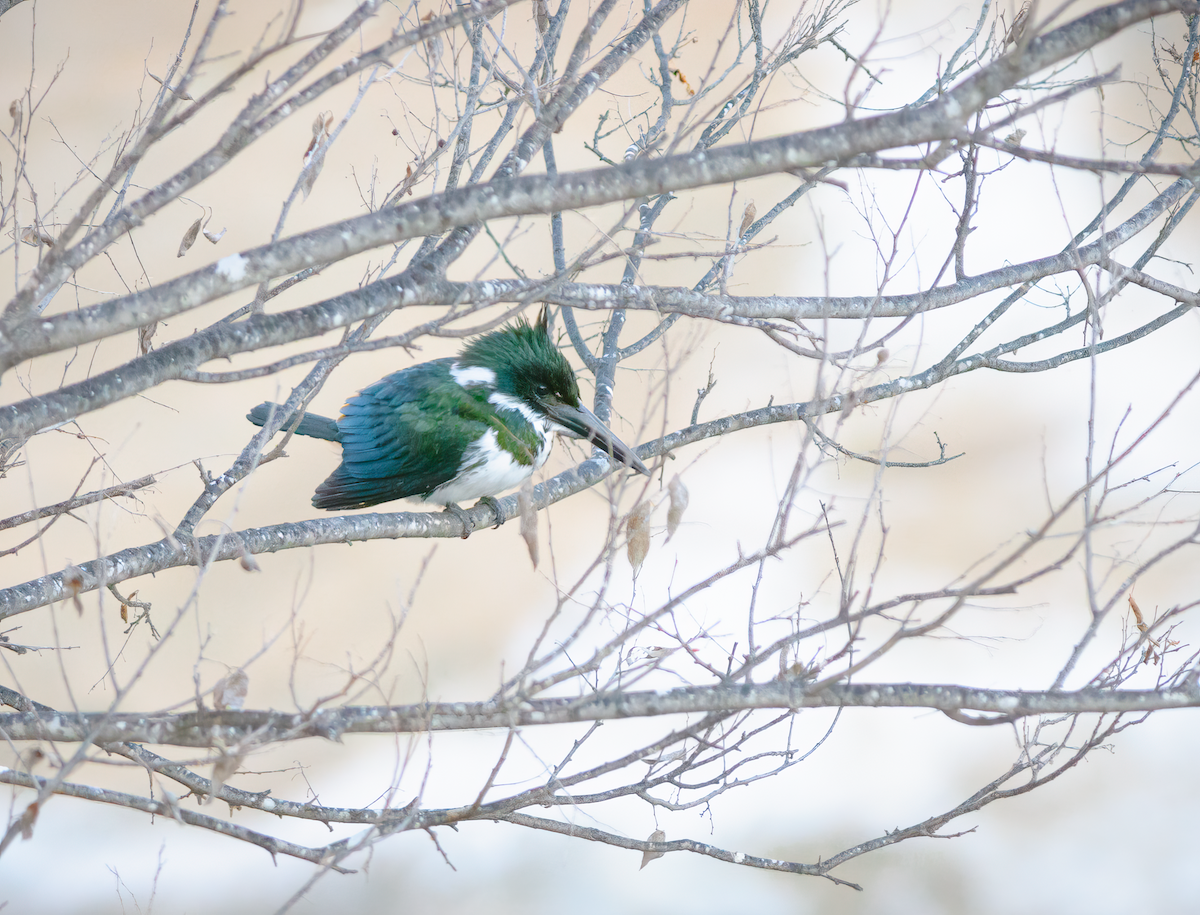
(529, 529)
(647, 856)
(748, 217)
(230, 691)
(679, 503)
(189, 237)
(36, 238)
(639, 535)
(223, 769)
(145, 335)
(314, 156)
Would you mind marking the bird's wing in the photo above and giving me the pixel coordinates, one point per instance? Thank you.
(398, 440)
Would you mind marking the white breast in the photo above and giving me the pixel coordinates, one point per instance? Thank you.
(487, 470)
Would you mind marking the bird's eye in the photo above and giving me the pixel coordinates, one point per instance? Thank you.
(543, 390)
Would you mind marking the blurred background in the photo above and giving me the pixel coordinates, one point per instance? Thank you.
(1115, 834)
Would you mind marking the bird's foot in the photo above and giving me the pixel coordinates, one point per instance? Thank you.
(460, 513)
(494, 505)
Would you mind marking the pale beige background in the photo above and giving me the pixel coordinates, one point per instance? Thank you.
(1116, 835)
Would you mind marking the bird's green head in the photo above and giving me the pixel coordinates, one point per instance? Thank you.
(526, 363)
(529, 368)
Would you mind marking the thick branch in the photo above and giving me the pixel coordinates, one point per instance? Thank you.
(218, 729)
(939, 120)
(176, 360)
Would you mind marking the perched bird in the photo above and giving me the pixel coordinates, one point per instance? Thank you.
(466, 427)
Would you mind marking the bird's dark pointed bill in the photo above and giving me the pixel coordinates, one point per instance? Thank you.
(582, 422)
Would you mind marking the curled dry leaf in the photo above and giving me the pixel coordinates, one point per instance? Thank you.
(223, 769)
(33, 757)
(214, 237)
(314, 155)
(125, 604)
(748, 217)
(1019, 23)
(529, 529)
(145, 335)
(36, 238)
(1137, 614)
(189, 237)
(1153, 646)
(248, 562)
(171, 802)
(17, 114)
(1015, 138)
(185, 96)
(230, 691)
(849, 402)
(647, 856)
(28, 818)
(639, 535)
(678, 505)
(73, 581)
(433, 46)
(673, 756)
(796, 669)
(320, 133)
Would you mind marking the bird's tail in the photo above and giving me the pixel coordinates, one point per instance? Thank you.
(310, 424)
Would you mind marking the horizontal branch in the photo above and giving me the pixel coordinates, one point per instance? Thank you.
(225, 728)
(170, 553)
(592, 834)
(939, 120)
(265, 111)
(171, 809)
(681, 300)
(179, 358)
(111, 492)
(1188, 170)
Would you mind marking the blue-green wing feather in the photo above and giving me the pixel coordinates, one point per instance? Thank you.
(386, 452)
(406, 434)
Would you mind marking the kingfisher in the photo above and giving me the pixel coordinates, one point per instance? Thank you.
(466, 427)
